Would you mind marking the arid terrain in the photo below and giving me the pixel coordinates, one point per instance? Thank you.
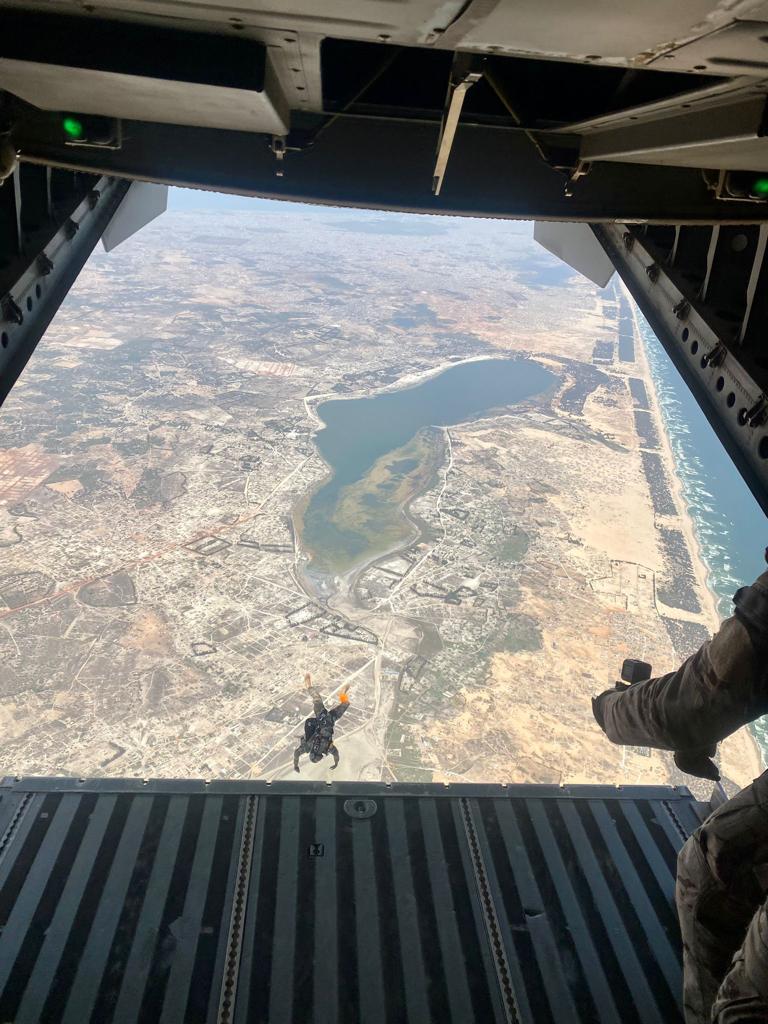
(157, 457)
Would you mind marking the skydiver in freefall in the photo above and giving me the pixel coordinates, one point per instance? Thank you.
(318, 730)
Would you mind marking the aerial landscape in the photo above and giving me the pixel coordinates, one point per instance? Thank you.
(415, 455)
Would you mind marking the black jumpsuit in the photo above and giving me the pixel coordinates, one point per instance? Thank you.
(318, 731)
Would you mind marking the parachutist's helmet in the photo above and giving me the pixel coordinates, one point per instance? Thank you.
(314, 756)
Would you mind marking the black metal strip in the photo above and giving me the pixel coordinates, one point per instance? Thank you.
(405, 909)
(665, 954)
(240, 899)
(361, 162)
(205, 991)
(20, 919)
(284, 938)
(585, 942)
(487, 998)
(328, 885)
(90, 971)
(180, 977)
(383, 872)
(623, 948)
(367, 910)
(15, 810)
(515, 1007)
(59, 930)
(541, 926)
(657, 864)
(153, 896)
(673, 821)
(20, 852)
(171, 927)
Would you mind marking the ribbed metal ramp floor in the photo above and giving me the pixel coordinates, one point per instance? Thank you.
(184, 903)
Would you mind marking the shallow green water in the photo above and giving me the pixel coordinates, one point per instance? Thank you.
(381, 455)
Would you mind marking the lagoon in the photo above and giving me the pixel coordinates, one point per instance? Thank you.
(381, 453)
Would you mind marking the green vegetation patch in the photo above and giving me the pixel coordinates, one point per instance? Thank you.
(513, 547)
(522, 633)
(367, 517)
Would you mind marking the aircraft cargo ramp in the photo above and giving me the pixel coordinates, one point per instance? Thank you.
(188, 902)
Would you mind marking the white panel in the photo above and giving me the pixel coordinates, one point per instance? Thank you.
(576, 245)
(609, 29)
(737, 49)
(143, 202)
(57, 87)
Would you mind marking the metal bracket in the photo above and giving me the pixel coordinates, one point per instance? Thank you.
(278, 148)
(757, 415)
(716, 357)
(682, 309)
(462, 81)
(11, 310)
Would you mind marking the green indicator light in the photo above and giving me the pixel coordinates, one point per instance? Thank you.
(760, 187)
(74, 129)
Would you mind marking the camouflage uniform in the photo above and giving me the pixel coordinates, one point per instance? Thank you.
(317, 740)
(722, 881)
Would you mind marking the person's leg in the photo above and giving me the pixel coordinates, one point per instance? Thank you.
(718, 893)
(317, 700)
(712, 926)
(743, 995)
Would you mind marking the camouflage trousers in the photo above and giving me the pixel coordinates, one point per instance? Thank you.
(722, 884)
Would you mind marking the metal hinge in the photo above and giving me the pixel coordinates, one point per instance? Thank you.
(11, 310)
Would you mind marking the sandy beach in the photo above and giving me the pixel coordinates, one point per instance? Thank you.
(740, 757)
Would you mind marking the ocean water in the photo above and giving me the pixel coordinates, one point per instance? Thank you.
(731, 528)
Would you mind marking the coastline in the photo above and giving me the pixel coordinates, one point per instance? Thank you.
(741, 757)
(668, 457)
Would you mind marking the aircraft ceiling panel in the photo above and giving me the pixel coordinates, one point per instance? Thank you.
(411, 21)
(602, 29)
(740, 48)
(614, 32)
